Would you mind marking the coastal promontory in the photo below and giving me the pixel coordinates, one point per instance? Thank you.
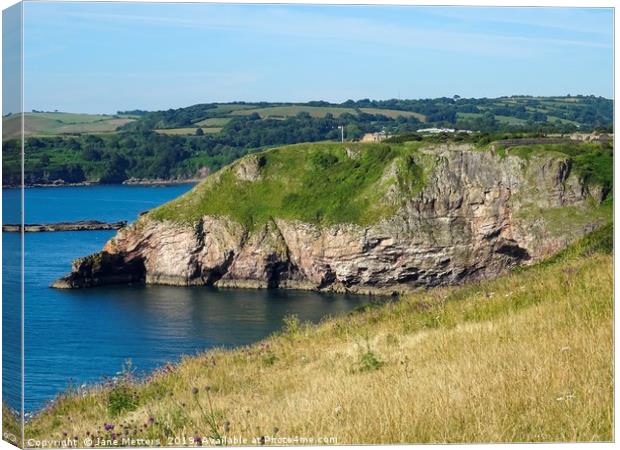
(366, 218)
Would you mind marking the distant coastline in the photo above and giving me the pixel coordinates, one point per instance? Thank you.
(80, 225)
(130, 182)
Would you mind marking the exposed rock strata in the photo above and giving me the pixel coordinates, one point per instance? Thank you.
(467, 222)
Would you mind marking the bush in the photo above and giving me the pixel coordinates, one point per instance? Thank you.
(369, 362)
(122, 398)
(292, 325)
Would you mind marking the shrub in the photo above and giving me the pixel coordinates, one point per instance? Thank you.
(369, 362)
(292, 326)
(122, 398)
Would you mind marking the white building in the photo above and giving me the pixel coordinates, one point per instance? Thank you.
(441, 130)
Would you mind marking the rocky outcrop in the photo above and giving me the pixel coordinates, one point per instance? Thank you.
(472, 219)
(248, 169)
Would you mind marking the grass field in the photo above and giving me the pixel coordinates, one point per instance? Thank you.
(187, 131)
(213, 122)
(227, 108)
(553, 119)
(527, 357)
(45, 124)
(510, 120)
(501, 119)
(394, 113)
(289, 111)
(321, 111)
(463, 115)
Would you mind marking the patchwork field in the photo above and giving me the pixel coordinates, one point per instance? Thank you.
(222, 114)
(289, 111)
(213, 122)
(45, 124)
(394, 113)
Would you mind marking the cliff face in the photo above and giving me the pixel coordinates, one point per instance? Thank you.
(476, 215)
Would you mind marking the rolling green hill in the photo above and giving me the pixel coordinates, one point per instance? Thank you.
(59, 123)
(568, 113)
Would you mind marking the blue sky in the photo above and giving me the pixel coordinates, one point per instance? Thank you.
(102, 57)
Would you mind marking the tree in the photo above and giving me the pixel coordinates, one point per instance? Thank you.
(200, 132)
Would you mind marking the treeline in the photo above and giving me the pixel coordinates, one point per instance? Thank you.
(252, 131)
(112, 158)
(589, 111)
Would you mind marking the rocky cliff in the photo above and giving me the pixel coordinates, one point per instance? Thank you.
(448, 213)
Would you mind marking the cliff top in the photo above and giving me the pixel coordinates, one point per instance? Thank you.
(328, 183)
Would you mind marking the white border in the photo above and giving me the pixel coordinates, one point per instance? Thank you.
(489, 3)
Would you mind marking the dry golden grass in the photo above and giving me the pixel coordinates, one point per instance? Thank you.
(526, 357)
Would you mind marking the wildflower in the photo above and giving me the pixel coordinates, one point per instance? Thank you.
(207, 388)
(195, 391)
(275, 430)
(151, 419)
(226, 426)
(108, 426)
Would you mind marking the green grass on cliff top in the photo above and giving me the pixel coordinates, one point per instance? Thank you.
(329, 183)
(316, 183)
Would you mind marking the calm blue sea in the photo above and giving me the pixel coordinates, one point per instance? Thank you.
(80, 336)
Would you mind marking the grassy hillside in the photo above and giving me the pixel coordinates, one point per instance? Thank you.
(526, 357)
(324, 183)
(515, 113)
(293, 110)
(58, 123)
(220, 116)
(328, 183)
(321, 111)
